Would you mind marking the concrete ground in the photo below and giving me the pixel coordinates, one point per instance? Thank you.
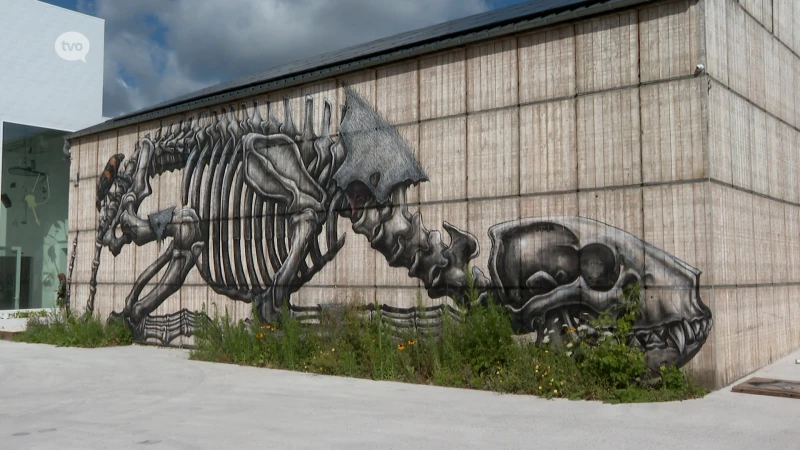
(146, 397)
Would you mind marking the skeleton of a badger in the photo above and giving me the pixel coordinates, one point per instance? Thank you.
(543, 270)
(257, 197)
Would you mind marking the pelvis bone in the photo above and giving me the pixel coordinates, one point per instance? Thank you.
(555, 273)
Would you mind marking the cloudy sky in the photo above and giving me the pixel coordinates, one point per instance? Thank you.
(159, 49)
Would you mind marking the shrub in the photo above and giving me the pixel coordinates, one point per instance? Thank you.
(605, 353)
(476, 351)
(63, 330)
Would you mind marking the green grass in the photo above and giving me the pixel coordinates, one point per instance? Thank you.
(62, 330)
(479, 352)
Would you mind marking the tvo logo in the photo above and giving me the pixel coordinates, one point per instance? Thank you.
(72, 46)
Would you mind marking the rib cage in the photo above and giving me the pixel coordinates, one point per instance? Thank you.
(236, 222)
(244, 237)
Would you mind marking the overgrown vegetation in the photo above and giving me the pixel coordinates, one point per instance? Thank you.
(64, 330)
(478, 352)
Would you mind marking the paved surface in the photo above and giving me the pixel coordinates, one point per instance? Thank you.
(145, 397)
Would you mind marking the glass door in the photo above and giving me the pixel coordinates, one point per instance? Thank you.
(34, 188)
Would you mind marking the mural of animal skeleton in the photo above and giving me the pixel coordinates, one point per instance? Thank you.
(281, 192)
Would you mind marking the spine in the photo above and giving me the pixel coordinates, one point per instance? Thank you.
(405, 242)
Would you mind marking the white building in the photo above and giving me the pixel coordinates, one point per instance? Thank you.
(51, 83)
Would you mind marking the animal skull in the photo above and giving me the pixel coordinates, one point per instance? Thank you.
(553, 272)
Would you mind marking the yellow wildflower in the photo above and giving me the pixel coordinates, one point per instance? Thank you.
(260, 335)
(540, 388)
(401, 347)
(555, 391)
(412, 342)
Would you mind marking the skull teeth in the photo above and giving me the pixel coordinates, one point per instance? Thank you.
(676, 334)
(687, 330)
(696, 326)
(653, 340)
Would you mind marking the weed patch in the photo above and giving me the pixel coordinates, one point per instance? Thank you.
(478, 351)
(58, 328)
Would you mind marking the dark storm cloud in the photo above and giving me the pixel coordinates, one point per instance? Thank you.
(156, 49)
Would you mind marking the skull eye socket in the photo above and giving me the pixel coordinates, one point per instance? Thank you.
(599, 268)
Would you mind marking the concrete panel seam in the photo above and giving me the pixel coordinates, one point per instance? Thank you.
(747, 100)
(641, 128)
(750, 191)
(551, 193)
(770, 32)
(316, 286)
(755, 285)
(499, 108)
(519, 115)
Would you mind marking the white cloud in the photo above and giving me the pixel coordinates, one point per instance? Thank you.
(200, 43)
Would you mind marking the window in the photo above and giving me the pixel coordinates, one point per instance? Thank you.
(34, 180)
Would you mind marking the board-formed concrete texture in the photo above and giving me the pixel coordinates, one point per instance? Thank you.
(553, 151)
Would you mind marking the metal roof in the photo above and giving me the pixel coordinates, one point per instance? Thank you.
(516, 18)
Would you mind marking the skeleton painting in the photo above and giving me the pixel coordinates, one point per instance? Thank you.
(258, 219)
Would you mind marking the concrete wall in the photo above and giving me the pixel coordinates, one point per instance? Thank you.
(754, 153)
(606, 119)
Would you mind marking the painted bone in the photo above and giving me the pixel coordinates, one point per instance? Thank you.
(273, 189)
(553, 271)
(269, 192)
